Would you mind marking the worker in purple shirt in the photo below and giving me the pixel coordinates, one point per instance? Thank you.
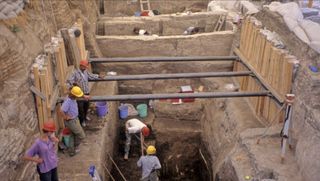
(43, 152)
(69, 113)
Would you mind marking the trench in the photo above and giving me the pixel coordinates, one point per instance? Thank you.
(180, 150)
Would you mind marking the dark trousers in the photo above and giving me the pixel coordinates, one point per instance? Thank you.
(83, 107)
(52, 175)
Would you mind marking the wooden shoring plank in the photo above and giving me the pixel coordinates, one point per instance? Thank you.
(59, 118)
(38, 99)
(248, 37)
(256, 51)
(80, 40)
(262, 51)
(266, 60)
(43, 86)
(244, 30)
(253, 47)
(288, 73)
(278, 79)
(261, 79)
(250, 40)
(72, 51)
(63, 56)
(60, 70)
(273, 109)
(50, 78)
(270, 74)
(266, 105)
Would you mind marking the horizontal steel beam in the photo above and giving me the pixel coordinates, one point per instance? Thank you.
(162, 59)
(173, 76)
(176, 95)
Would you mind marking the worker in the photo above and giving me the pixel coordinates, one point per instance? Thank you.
(140, 32)
(43, 152)
(134, 126)
(150, 165)
(69, 113)
(191, 30)
(80, 77)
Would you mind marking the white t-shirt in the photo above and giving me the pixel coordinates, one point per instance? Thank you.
(134, 125)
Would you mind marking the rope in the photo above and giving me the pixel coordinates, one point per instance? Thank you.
(104, 165)
(271, 123)
(117, 167)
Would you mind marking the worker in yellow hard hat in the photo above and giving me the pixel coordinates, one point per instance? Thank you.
(69, 113)
(150, 164)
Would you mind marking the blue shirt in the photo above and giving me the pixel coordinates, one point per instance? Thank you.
(46, 151)
(148, 163)
(70, 108)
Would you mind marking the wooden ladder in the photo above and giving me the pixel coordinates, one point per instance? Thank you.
(221, 21)
(143, 3)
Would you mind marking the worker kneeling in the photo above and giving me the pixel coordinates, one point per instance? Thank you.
(150, 164)
(134, 126)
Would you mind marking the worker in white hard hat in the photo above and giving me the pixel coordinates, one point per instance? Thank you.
(150, 164)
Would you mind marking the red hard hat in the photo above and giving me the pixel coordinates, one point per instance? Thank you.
(84, 63)
(49, 126)
(145, 131)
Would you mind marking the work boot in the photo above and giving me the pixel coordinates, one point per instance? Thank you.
(126, 156)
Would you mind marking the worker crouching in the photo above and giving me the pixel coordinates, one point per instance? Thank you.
(150, 164)
(134, 126)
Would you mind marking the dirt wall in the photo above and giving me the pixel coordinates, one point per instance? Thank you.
(215, 44)
(305, 130)
(129, 7)
(163, 25)
(21, 40)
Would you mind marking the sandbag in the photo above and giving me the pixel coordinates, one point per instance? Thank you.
(251, 8)
(301, 34)
(273, 6)
(290, 10)
(309, 12)
(311, 28)
(291, 23)
(315, 19)
(315, 45)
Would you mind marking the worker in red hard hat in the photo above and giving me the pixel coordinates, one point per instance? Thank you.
(43, 153)
(134, 126)
(80, 77)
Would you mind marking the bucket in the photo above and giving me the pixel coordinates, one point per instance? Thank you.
(142, 110)
(123, 111)
(102, 108)
(66, 140)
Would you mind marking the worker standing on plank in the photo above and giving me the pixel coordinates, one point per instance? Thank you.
(134, 126)
(69, 112)
(44, 149)
(149, 164)
(80, 77)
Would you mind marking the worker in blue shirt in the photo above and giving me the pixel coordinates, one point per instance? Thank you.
(149, 164)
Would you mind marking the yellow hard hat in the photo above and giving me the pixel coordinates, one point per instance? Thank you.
(151, 150)
(76, 91)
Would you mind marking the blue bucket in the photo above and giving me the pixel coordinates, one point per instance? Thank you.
(102, 108)
(142, 110)
(123, 111)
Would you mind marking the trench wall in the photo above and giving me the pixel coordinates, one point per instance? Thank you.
(305, 132)
(129, 7)
(218, 43)
(163, 25)
(19, 47)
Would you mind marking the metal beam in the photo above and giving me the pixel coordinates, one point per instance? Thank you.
(173, 76)
(176, 95)
(162, 59)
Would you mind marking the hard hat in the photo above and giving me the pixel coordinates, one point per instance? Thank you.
(84, 63)
(76, 91)
(49, 126)
(151, 150)
(145, 131)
